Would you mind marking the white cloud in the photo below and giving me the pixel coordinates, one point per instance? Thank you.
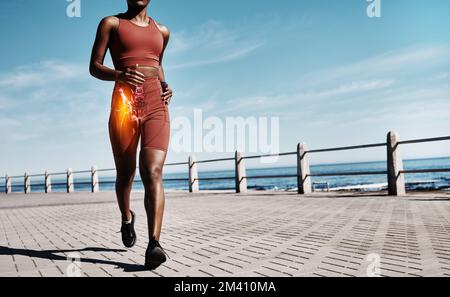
(371, 91)
(442, 76)
(355, 87)
(6, 103)
(236, 54)
(210, 43)
(282, 102)
(45, 72)
(7, 121)
(405, 62)
(51, 98)
(210, 35)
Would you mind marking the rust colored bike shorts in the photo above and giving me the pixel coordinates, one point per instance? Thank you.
(138, 112)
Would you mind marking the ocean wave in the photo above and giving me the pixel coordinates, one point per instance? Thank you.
(416, 185)
(361, 187)
(418, 182)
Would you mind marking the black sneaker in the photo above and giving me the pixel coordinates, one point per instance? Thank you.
(128, 233)
(154, 255)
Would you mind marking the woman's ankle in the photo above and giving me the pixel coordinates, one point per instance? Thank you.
(127, 217)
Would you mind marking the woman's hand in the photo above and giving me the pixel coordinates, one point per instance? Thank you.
(131, 77)
(167, 93)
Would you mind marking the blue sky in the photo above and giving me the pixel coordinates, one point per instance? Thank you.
(332, 75)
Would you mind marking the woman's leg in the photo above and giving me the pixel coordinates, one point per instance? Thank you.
(124, 137)
(151, 162)
(126, 169)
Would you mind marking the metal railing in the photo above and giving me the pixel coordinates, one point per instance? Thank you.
(395, 172)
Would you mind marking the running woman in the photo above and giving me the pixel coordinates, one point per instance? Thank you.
(139, 109)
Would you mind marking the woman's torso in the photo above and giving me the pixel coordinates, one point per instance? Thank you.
(131, 44)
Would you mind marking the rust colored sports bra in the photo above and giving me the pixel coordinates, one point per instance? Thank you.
(133, 44)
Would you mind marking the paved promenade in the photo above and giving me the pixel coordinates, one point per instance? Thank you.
(227, 234)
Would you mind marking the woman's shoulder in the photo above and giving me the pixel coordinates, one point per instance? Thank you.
(164, 30)
(110, 21)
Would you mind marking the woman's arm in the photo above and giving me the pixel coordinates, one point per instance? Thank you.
(96, 67)
(166, 35)
(168, 93)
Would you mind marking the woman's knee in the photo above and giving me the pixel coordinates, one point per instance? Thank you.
(153, 173)
(124, 181)
(125, 176)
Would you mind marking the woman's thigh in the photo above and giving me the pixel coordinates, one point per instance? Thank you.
(123, 134)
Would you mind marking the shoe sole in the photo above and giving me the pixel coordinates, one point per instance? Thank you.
(155, 261)
(153, 264)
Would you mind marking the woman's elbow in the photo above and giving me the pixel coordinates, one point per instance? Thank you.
(92, 70)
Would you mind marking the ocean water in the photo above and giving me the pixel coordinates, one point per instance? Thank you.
(419, 181)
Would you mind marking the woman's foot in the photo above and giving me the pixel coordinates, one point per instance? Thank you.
(128, 233)
(154, 255)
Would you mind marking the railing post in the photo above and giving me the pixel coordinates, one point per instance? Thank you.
(48, 182)
(193, 175)
(26, 184)
(70, 187)
(303, 178)
(94, 180)
(396, 180)
(7, 184)
(241, 180)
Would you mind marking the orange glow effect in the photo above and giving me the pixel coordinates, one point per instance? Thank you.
(131, 103)
(125, 112)
(124, 119)
(126, 108)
